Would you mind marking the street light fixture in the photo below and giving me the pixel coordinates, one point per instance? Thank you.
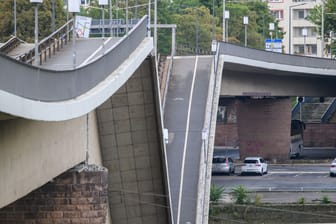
(245, 22)
(103, 3)
(322, 29)
(15, 18)
(290, 26)
(74, 6)
(36, 54)
(304, 34)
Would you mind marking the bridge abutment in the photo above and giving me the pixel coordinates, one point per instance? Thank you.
(76, 196)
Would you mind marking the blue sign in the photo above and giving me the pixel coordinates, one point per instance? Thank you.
(274, 45)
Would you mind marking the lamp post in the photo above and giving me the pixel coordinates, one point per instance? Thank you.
(224, 21)
(322, 29)
(271, 29)
(74, 6)
(53, 16)
(15, 18)
(245, 22)
(227, 17)
(103, 3)
(36, 54)
(304, 34)
(290, 26)
(126, 17)
(111, 27)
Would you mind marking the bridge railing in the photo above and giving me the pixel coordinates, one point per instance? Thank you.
(329, 112)
(274, 57)
(49, 45)
(10, 45)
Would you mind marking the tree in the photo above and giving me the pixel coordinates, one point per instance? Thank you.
(315, 16)
(25, 19)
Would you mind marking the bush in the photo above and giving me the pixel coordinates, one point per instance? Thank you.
(325, 199)
(240, 194)
(216, 193)
(301, 201)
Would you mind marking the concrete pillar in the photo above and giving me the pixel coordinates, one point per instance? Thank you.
(264, 127)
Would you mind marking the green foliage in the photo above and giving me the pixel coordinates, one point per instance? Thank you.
(216, 193)
(301, 201)
(240, 194)
(315, 16)
(325, 199)
(25, 19)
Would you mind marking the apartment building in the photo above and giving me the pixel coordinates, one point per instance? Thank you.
(300, 37)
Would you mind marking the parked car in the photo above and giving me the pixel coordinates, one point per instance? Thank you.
(254, 165)
(333, 168)
(223, 164)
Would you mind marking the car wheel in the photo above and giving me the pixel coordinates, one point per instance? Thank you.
(266, 172)
(262, 172)
(331, 174)
(242, 174)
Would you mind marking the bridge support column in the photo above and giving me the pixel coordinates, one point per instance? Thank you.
(76, 196)
(264, 127)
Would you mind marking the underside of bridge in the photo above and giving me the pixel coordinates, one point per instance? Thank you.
(257, 87)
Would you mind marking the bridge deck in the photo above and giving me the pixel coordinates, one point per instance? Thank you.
(184, 118)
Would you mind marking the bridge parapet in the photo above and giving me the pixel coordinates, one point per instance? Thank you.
(273, 57)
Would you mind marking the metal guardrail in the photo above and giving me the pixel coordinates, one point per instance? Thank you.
(329, 112)
(273, 57)
(49, 45)
(10, 45)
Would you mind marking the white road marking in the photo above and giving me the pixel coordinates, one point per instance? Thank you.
(185, 142)
(178, 98)
(298, 172)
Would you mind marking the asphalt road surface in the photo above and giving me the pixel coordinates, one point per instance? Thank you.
(284, 183)
(184, 118)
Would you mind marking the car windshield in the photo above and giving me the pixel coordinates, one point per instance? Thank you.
(251, 161)
(218, 160)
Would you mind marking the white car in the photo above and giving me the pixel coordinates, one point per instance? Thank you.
(333, 168)
(254, 165)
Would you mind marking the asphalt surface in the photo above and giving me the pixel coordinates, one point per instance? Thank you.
(184, 118)
(85, 48)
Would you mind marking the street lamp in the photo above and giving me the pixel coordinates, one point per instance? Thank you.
(15, 18)
(290, 25)
(227, 17)
(245, 22)
(103, 3)
(271, 29)
(322, 29)
(36, 54)
(304, 34)
(74, 6)
(224, 20)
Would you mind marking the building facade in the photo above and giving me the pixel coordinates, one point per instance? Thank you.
(301, 36)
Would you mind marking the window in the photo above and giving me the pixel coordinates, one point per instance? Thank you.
(300, 13)
(275, 1)
(278, 14)
(297, 31)
(311, 49)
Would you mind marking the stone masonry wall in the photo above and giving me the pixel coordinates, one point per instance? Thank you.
(226, 134)
(264, 127)
(73, 197)
(319, 135)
